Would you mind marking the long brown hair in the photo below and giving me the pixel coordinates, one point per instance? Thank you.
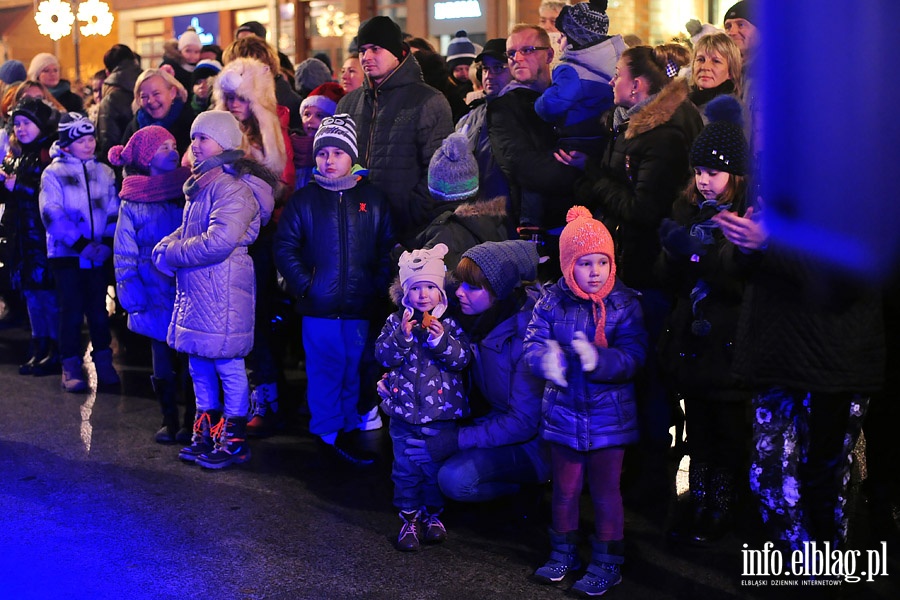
(735, 189)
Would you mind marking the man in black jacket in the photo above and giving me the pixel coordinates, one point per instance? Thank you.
(115, 112)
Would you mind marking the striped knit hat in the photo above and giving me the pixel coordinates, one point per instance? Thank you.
(338, 131)
(453, 172)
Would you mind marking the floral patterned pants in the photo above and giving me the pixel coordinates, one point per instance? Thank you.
(803, 445)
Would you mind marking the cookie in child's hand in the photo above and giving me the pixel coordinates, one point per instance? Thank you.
(427, 319)
(422, 318)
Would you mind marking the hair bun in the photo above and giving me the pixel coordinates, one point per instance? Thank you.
(578, 212)
(115, 155)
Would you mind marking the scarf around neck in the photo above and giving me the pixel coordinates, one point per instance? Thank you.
(339, 184)
(623, 115)
(155, 188)
(200, 169)
(145, 119)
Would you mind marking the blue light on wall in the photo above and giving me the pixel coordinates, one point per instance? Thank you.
(206, 25)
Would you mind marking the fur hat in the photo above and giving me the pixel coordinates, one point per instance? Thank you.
(721, 145)
(741, 10)
(425, 265)
(189, 38)
(384, 32)
(254, 27)
(252, 80)
(460, 51)
(584, 24)
(453, 172)
(141, 148)
(505, 264)
(325, 96)
(38, 112)
(206, 68)
(13, 71)
(338, 131)
(310, 74)
(585, 235)
(221, 126)
(40, 62)
(72, 127)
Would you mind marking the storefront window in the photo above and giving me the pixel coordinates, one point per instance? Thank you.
(331, 29)
(149, 41)
(395, 10)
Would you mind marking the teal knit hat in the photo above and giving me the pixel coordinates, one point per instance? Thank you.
(453, 172)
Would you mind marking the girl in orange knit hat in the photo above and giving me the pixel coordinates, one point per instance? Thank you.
(587, 339)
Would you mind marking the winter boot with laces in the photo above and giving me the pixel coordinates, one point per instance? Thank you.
(604, 572)
(435, 532)
(408, 540)
(563, 557)
(38, 353)
(263, 410)
(106, 373)
(49, 365)
(165, 393)
(202, 438)
(231, 447)
(73, 375)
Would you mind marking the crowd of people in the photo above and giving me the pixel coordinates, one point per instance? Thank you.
(566, 221)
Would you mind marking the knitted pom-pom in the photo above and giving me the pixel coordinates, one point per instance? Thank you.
(455, 146)
(115, 155)
(726, 108)
(578, 212)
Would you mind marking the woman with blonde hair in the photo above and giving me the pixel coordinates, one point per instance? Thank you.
(160, 100)
(45, 68)
(715, 70)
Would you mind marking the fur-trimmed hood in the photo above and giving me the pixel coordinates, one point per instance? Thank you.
(660, 110)
(252, 80)
(495, 207)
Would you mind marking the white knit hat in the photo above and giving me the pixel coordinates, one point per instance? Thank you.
(189, 38)
(221, 126)
(424, 265)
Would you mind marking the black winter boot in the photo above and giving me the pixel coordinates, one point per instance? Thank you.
(51, 363)
(605, 570)
(165, 393)
(691, 512)
(185, 432)
(202, 439)
(230, 437)
(563, 557)
(720, 506)
(37, 353)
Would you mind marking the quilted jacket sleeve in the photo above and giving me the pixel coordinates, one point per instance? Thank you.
(126, 254)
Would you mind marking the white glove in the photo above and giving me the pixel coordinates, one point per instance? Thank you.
(587, 351)
(554, 364)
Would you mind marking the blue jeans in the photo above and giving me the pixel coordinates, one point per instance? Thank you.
(43, 312)
(481, 474)
(82, 293)
(415, 485)
(333, 349)
(206, 373)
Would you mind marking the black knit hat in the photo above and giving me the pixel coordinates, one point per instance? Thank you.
(721, 145)
(254, 27)
(382, 31)
(584, 24)
(741, 10)
(338, 131)
(72, 127)
(38, 112)
(505, 264)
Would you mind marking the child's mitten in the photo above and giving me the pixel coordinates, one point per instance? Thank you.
(587, 351)
(553, 364)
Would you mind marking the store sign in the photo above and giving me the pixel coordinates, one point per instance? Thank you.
(461, 9)
(205, 24)
(446, 17)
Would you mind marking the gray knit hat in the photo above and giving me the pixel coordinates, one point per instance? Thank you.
(310, 74)
(505, 264)
(584, 24)
(338, 131)
(221, 126)
(453, 172)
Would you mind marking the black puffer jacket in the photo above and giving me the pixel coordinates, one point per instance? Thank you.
(115, 108)
(399, 125)
(644, 168)
(27, 238)
(333, 249)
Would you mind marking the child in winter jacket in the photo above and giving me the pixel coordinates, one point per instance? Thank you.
(152, 200)
(581, 90)
(587, 339)
(332, 248)
(79, 206)
(228, 200)
(426, 352)
(33, 130)
(320, 103)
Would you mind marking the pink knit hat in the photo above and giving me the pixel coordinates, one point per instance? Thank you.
(139, 150)
(325, 96)
(585, 235)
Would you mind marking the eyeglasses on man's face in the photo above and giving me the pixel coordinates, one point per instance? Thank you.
(525, 51)
(495, 69)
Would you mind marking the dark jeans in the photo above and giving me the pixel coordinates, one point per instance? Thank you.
(82, 293)
(482, 474)
(261, 363)
(415, 485)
